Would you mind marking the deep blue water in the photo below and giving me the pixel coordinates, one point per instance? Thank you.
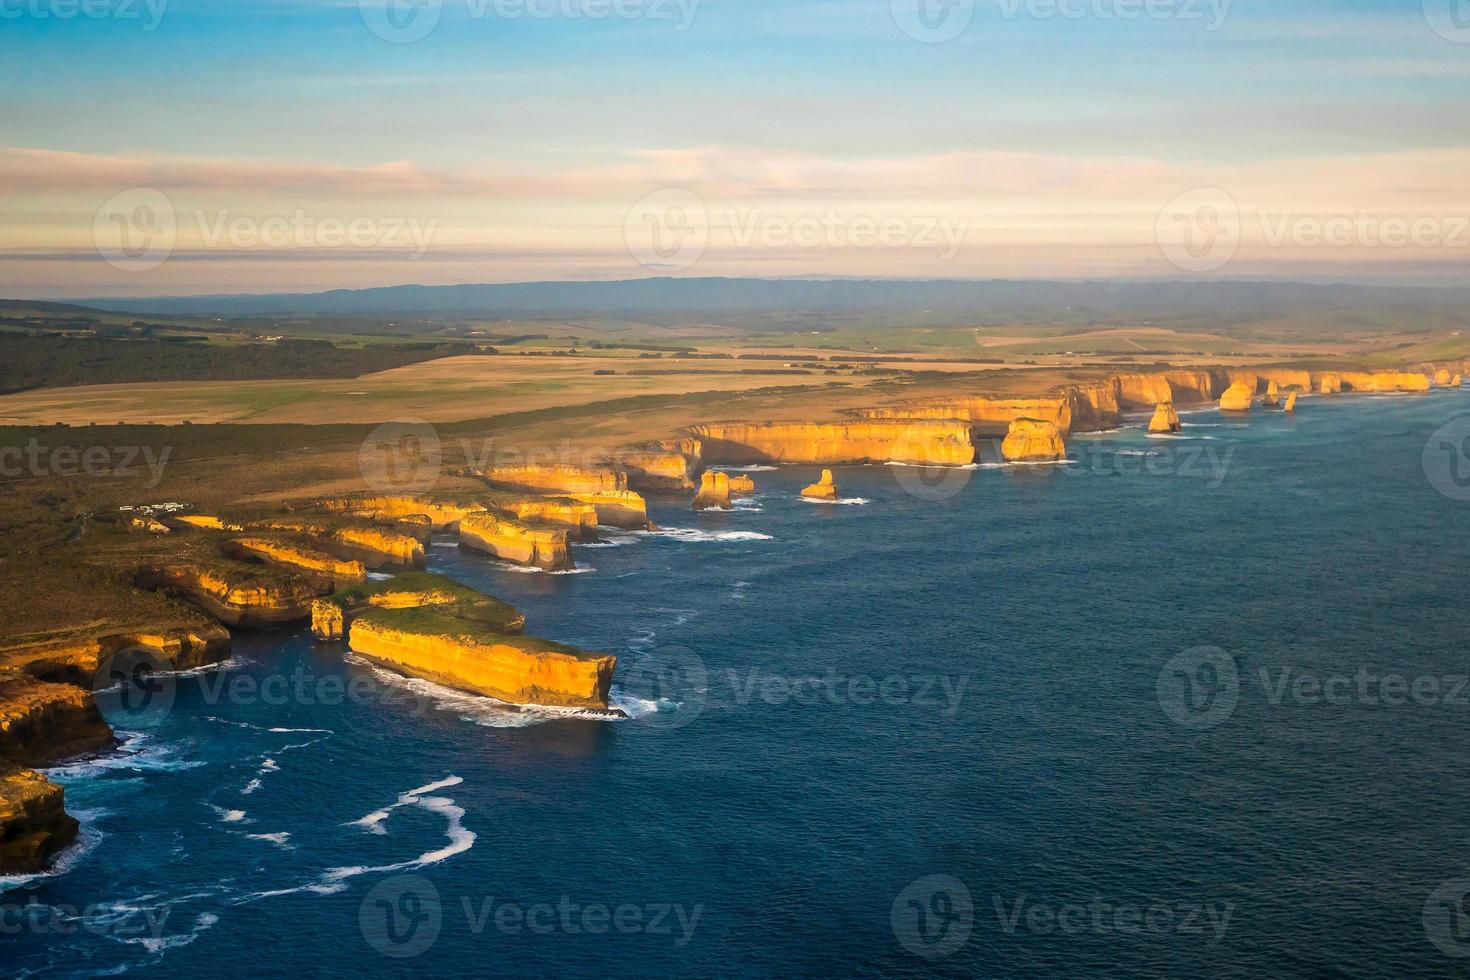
(994, 668)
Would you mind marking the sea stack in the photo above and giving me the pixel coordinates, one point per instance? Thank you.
(1033, 441)
(1290, 405)
(714, 491)
(823, 489)
(1272, 397)
(1442, 378)
(1165, 419)
(1237, 398)
(740, 483)
(1455, 381)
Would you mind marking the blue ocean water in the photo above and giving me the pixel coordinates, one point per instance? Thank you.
(1186, 707)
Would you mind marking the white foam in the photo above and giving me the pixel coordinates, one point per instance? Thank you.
(694, 534)
(533, 570)
(1134, 452)
(280, 839)
(229, 816)
(1042, 462)
(378, 576)
(753, 468)
(460, 838)
(849, 501)
(88, 837)
(250, 787)
(936, 466)
(133, 754)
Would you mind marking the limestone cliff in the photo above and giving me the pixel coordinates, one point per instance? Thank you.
(413, 590)
(1165, 419)
(328, 571)
(940, 442)
(378, 547)
(516, 669)
(618, 508)
(1237, 398)
(988, 416)
(714, 491)
(34, 825)
(578, 517)
(824, 489)
(517, 541)
(41, 721)
(1033, 441)
(1456, 380)
(236, 594)
(1442, 377)
(1329, 383)
(1385, 381)
(556, 477)
(659, 470)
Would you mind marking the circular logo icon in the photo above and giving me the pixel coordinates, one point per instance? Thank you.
(668, 230)
(134, 688)
(1447, 918)
(401, 456)
(932, 21)
(668, 687)
(401, 916)
(1447, 459)
(921, 474)
(1450, 19)
(136, 230)
(401, 21)
(1199, 688)
(1199, 231)
(933, 916)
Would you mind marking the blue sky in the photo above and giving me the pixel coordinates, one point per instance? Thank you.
(527, 138)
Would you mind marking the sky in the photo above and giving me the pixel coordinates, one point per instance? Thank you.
(215, 146)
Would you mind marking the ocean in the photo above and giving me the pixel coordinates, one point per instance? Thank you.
(1186, 707)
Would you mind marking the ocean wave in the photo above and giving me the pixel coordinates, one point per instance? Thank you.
(1094, 433)
(848, 501)
(1176, 435)
(135, 754)
(281, 839)
(1134, 452)
(533, 570)
(753, 468)
(1011, 464)
(229, 816)
(378, 576)
(608, 540)
(694, 534)
(226, 664)
(460, 838)
(936, 466)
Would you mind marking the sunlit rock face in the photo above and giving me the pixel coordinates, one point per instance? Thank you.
(1385, 381)
(557, 477)
(1237, 398)
(1165, 419)
(1033, 441)
(1290, 405)
(714, 491)
(823, 489)
(939, 442)
(740, 483)
(34, 825)
(516, 541)
(659, 470)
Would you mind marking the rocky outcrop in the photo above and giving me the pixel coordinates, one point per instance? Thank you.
(206, 521)
(440, 511)
(556, 477)
(377, 547)
(1329, 383)
(1385, 381)
(34, 824)
(41, 721)
(1237, 398)
(1165, 419)
(330, 616)
(823, 489)
(618, 508)
(448, 650)
(520, 542)
(987, 416)
(714, 491)
(939, 442)
(659, 470)
(1272, 397)
(1290, 405)
(328, 571)
(1455, 380)
(1442, 377)
(1033, 441)
(580, 519)
(239, 595)
(741, 483)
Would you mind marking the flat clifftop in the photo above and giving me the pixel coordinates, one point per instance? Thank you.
(935, 441)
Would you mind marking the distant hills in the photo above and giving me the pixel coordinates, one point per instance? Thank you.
(714, 296)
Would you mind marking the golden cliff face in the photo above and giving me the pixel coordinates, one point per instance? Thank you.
(556, 477)
(618, 508)
(381, 547)
(441, 512)
(714, 491)
(516, 541)
(939, 442)
(1442, 377)
(988, 416)
(659, 470)
(1385, 381)
(34, 825)
(1165, 419)
(298, 557)
(580, 519)
(1237, 398)
(41, 721)
(823, 489)
(1033, 441)
(234, 594)
(741, 483)
(1329, 383)
(516, 669)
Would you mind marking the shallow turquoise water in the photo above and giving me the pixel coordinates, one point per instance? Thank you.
(963, 728)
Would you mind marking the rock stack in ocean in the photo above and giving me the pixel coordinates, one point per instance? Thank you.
(1165, 419)
(740, 483)
(1033, 441)
(1237, 398)
(823, 489)
(714, 491)
(1272, 397)
(1290, 405)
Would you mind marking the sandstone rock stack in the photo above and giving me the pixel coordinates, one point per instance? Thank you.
(1165, 419)
(1290, 405)
(1442, 377)
(1272, 397)
(740, 483)
(1033, 441)
(714, 491)
(823, 489)
(1237, 398)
